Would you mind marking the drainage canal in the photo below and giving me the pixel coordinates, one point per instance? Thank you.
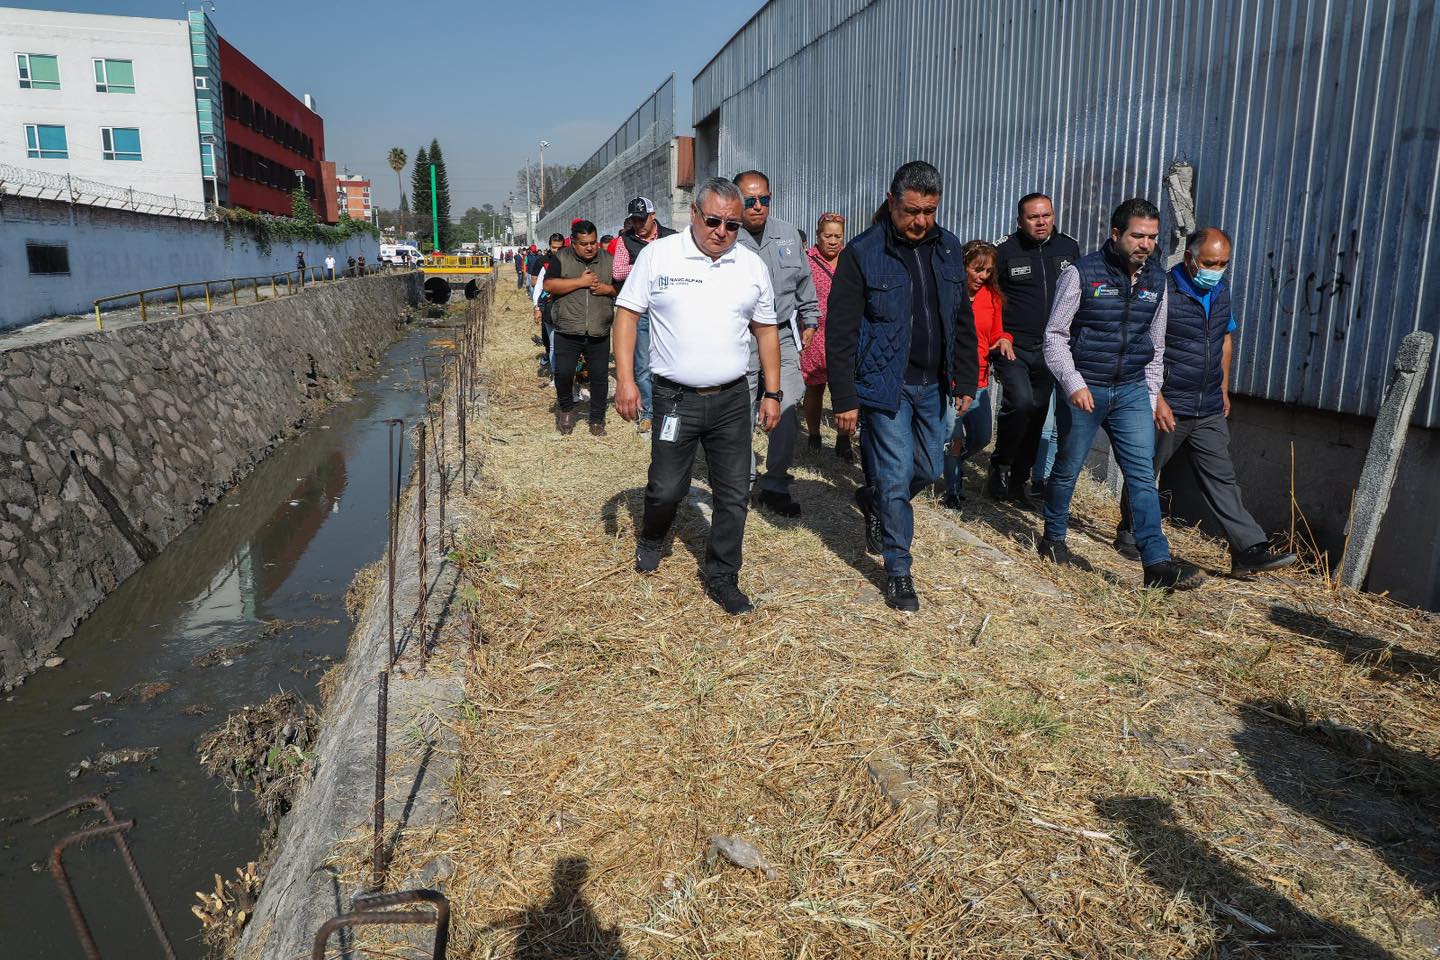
(248, 602)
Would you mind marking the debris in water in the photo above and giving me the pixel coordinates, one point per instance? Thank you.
(54, 662)
(221, 654)
(223, 914)
(82, 706)
(267, 748)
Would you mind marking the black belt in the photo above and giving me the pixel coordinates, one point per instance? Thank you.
(685, 388)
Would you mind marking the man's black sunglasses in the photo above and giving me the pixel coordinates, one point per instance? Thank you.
(731, 226)
(763, 200)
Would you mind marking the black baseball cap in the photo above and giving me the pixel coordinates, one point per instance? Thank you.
(640, 208)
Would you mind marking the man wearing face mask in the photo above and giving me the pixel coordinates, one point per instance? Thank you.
(1198, 349)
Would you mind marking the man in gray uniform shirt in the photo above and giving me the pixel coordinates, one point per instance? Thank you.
(779, 245)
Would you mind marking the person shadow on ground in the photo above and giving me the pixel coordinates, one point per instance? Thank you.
(1247, 920)
(564, 927)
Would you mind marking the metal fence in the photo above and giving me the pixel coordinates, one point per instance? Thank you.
(1313, 128)
(23, 182)
(658, 110)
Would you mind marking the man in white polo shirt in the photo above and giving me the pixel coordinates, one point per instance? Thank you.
(705, 296)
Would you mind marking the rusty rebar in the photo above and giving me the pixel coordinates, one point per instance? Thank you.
(460, 404)
(392, 500)
(371, 903)
(372, 918)
(77, 916)
(382, 709)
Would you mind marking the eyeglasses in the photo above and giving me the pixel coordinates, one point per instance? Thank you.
(831, 218)
(731, 226)
(763, 200)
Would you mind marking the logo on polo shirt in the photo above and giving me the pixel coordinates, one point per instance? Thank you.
(1102, 289)
(663, 281)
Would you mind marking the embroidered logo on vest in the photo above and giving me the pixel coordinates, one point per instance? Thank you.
(1020, 271)
(1103, 289)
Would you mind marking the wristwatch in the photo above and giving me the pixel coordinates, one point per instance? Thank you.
(776, 395)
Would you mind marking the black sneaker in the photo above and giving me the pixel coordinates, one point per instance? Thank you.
(900, 595)
(1054, 551)
(952, 500)
(648, 554)
(779, 503)
(998, 483)
(844, 449)
(1174, 575)
(874, 535)
(1124, 545)
(816, 442)
(726, 592)
(1261, 559)
(1037, 489)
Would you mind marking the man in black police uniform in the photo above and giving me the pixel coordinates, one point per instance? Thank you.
(1027, 264)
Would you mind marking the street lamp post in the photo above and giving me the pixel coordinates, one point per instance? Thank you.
(543, 145)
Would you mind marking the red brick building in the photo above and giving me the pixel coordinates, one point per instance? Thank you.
(269, 135)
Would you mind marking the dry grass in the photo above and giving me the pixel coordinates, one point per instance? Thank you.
(1117, 773)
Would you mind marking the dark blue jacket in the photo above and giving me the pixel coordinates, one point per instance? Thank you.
(1194, 345)
(870, 314)
(1110, 335)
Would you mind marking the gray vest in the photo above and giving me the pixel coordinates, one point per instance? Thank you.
(581, 312)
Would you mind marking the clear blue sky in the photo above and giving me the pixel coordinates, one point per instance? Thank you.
(394, 74)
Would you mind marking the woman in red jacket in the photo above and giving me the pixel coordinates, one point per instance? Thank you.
(971, 433)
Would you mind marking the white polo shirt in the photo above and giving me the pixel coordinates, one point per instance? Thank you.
(700, 309)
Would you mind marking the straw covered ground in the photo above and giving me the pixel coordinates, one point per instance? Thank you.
(1042, 763)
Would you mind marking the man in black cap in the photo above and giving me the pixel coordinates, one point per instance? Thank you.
(641, 228)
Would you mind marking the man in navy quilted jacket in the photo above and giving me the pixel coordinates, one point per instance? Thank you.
(1198, 348)
(1105, 345)
(900, 346)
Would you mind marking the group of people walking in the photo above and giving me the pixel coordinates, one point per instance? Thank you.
(734, 321)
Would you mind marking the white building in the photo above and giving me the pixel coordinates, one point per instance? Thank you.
(107, 98)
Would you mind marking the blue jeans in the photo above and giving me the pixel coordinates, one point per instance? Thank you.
(1045, 455)
(1124, 414)
(973, 430)
(642, 366)
(903, 453)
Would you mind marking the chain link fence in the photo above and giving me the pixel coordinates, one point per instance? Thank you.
(23, 182)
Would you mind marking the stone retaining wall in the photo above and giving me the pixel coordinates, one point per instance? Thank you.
(113, 443)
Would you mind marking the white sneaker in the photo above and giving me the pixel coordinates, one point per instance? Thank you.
(582, 393)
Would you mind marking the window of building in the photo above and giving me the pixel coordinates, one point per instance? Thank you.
(120, 143)
(202, 83)
(48, 258)
(45, 142)
(114, 76)
(38, 71)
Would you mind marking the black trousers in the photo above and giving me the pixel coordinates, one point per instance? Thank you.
(1207, 439)
(1026, 385)
(568, 348)
(721, 421)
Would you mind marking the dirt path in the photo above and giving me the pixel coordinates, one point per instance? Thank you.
(1041, 763)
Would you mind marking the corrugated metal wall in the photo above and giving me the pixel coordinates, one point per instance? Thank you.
(1313, 127)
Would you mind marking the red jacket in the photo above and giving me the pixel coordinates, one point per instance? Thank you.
(989, 328)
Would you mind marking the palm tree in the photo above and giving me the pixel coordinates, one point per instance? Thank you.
(397, 161)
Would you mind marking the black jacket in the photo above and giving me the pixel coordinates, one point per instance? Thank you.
(1027, 272)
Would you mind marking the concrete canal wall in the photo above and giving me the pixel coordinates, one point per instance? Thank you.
(112, 443)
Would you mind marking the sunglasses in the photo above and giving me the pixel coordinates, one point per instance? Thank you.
(731, 226)
(831, 218)
(763, 200)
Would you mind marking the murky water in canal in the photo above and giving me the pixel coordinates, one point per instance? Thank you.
(246, 603)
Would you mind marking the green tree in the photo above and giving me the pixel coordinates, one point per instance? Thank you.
(300, 208)
(420, 193)
(442, 196)
(397, 160)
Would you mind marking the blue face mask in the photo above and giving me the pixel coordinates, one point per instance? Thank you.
(1207, 279)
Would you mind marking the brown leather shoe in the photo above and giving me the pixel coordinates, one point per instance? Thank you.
(597, 429)
(565, 422)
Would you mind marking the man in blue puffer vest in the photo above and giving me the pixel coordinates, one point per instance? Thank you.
(900, 343)
(1105, 344)
(1198, 349)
